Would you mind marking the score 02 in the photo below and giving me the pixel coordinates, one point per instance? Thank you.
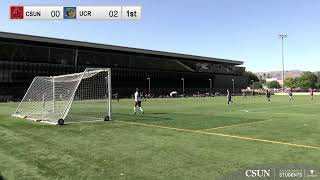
(114, 12)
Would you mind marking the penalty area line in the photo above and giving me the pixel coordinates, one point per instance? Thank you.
(287, 114)
(223, 135)
(277, 107)
(221, 127)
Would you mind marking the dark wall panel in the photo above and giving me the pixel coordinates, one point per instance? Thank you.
(20, 62)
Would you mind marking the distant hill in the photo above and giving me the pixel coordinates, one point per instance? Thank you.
(278, 74)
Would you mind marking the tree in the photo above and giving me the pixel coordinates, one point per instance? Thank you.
(256, 85)
(318, 83)
(273, 84)
(318, 75)
(291, 82)
(308, 80)
(252, 76)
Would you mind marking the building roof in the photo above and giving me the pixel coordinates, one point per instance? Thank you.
(112, 47)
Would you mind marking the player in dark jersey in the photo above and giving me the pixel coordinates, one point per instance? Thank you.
(229, 98)
(311, 94)
(290, 95)
(116, 96)
(268, 94)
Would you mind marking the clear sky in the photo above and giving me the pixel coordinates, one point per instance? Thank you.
(232, 29)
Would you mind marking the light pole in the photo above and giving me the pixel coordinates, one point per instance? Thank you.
(282, 36)
(210, 81)
(233, 86)
(149, 85)
(182, 79)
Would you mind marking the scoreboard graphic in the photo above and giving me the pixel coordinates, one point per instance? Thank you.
(75, 12)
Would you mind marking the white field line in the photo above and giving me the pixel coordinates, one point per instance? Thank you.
(79, 122)
(223, 135)
(87, 117)
(279, 107)
(288, 114)
(7, 108)
(222, 127)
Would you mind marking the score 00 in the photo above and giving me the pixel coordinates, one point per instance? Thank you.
(43, 12)
(56, 14)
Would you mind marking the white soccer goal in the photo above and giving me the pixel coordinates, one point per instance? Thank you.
(70, 98)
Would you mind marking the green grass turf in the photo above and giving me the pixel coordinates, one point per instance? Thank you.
(119, 150)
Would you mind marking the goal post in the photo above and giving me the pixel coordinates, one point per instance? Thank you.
(70, 98)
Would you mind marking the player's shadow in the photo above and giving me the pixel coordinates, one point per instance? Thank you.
(1, 177)
(158, 113)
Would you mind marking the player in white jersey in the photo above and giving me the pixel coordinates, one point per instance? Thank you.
(137, 101)
(44, 100)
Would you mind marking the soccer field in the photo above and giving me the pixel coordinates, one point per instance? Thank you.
(186, 138)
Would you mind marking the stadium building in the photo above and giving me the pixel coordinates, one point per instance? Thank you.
(22, 57)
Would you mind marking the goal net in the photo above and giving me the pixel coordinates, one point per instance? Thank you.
(70, 98)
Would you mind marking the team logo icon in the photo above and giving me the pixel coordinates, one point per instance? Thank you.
(311, 173)
(69, 12)
(16, 12)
